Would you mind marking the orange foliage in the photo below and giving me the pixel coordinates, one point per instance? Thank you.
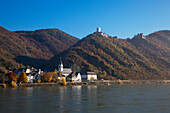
(12, 76)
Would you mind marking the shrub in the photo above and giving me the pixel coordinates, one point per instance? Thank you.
(38, 81)
(13, 84)
(64, 81)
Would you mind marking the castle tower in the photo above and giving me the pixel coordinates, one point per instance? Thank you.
(99, 29)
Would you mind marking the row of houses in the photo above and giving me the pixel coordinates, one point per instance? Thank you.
(67, 73)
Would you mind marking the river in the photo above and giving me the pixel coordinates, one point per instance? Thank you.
(126, 98)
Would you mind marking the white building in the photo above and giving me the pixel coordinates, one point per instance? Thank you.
(30, 78)
(89, 76)
(28, 70)
(74, 77)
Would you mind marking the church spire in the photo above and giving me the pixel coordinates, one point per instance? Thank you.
(60, 67)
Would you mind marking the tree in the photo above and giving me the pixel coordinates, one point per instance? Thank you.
(64, 82)
(47, 77)
(23, 77)
(12, 76)
(13, 84)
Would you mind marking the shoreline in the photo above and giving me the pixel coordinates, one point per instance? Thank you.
(99, 82)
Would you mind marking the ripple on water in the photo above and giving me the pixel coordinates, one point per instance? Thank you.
(115, 98)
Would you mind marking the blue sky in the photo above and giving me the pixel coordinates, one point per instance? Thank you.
(122, 18)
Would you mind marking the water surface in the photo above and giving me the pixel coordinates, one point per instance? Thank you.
(126, 98)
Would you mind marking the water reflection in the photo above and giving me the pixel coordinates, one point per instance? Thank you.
(90, 98)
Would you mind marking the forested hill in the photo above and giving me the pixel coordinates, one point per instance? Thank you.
(112, 58)
(32, 46)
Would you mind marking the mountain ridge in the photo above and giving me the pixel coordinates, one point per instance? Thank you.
(111, 58)
(38, 44)
(120, 58)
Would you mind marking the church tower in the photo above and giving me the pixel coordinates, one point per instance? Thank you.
(60, 67)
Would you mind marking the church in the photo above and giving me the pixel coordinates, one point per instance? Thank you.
(65, 71)
(71, 76)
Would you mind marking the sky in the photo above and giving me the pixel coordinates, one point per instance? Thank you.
(122, 18)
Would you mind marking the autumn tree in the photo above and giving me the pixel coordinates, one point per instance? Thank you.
(23, 77)
(64, 82)
(12, 76)
(48, 77)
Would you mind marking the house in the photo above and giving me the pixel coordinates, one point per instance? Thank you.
(74, 77)
(30, 78)
(33, 74)
(89, 76)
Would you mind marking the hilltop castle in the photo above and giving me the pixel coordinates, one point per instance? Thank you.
(140, 36)
(100, 32)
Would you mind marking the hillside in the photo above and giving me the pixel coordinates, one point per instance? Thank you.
(31, 46)
(110, 58)
(113, 58)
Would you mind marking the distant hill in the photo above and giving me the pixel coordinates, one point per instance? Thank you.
(24, 46)
(113, 58)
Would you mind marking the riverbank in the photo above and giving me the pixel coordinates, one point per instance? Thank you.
(99, 82)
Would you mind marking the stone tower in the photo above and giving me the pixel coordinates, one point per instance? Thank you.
(99, 29)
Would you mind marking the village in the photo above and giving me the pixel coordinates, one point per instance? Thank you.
(38, 76)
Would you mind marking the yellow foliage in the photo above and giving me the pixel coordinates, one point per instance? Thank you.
(64, 81)
(119, 81)
(38, 81)
(50, 78)
(13, 84)
(23, 78)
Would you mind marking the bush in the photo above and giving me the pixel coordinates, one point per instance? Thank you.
(38, 81)
(13, 84)
(48, 77)
(64, 81)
